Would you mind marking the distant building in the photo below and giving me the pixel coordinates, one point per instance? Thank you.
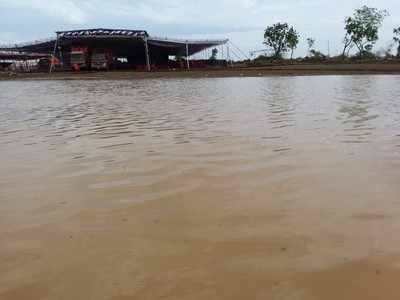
(116, 49)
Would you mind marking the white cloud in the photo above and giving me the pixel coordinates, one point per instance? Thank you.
(68, 11)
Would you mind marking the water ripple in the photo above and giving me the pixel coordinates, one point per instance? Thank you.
(209, 120)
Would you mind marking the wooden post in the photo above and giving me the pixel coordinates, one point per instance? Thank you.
(146, 46)
(54, 55)
(187, 56)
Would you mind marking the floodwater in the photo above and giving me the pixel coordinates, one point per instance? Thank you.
(231, 188)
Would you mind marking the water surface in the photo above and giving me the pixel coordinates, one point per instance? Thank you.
(231, 188)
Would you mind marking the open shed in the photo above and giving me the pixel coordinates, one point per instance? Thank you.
(136, 47)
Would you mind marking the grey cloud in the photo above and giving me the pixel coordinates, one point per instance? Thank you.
(241, 20)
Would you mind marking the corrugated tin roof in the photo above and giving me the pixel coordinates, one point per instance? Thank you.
(173, 46)
(169, 41)
(102, 32)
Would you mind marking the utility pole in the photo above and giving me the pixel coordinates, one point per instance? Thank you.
(228, 56)
(146, 48)
(329, 49)
(54, 55)
(187, 56)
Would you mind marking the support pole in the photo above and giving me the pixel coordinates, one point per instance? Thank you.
(146, 46)
(228, 55)
(240, 51)
(187, 56)
(54, 55)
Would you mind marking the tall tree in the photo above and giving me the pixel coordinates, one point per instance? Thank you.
(348, 44)
(280, 37)
(396, 38)
(292, 40)
(362, 28)
(310, 44)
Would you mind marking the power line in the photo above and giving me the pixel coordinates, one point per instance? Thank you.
(244, 55)
(235, 54)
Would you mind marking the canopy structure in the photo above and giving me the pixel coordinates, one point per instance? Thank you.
(178, 47)
(102, 33)
(7, 56)
(42, 46)
(135, 45)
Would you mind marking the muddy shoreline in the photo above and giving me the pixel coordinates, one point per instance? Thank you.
(287, 70)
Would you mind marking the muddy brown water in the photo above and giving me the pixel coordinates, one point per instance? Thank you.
(230, 188)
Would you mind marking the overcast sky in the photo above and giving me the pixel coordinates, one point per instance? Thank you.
(242, 21)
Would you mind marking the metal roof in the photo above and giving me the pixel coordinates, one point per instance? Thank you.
(169, 41)
(39, 46)
(178, 46)
(103, 33)
(120, 38)
(21, 56)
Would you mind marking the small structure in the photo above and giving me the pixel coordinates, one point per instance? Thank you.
(116, 49)
(22, 61)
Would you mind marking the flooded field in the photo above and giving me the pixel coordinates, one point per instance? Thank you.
(231, 188)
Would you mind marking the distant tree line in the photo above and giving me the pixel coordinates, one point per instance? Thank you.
(361, 33)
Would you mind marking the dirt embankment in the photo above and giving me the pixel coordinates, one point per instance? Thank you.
(287, 70)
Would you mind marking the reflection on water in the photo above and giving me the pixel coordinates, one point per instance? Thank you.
(356, 109)
(90, 122)
(95, 118)
(58, 124)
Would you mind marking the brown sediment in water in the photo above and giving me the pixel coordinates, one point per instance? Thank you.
(200, 241)
(266, 188)
(286, 70)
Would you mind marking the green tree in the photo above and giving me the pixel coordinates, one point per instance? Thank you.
(214, 53)
(348, 44)
(317, 54)
(362, 28)
(310, 44)
(280, 37)
(396, 38)
(292, 40)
